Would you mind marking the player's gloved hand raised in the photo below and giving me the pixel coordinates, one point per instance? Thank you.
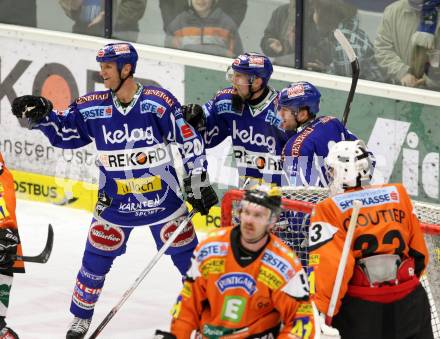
(193, 115)
(199, 191)
(8, 247)
(163, 335)
(32, 107)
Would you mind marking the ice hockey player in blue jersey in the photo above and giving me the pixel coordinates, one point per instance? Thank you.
(247, 113)
(132, 127)
(305, 151)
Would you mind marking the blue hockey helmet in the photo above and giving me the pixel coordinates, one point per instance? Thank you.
(254, 64)
(298, 95)
(121, 52)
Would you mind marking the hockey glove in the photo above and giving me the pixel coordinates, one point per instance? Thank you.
(8, 247)
(327, 332)
(32, 107)
(200, 193)
(193, 115)
(163, 335)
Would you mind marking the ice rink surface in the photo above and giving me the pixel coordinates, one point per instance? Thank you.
(40, 298)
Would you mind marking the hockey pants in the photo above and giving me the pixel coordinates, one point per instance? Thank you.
(407, 318)
(106, 242)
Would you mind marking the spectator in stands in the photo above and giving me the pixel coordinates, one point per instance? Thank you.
(279, 36)
(18, 12)
(406, 36)
(88, 16)
(329, 56)
(204, 28)
(371, 5)
(169, 9)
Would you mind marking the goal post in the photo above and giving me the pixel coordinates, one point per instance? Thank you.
(292, 228)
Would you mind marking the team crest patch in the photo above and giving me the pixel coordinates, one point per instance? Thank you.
(106, 237)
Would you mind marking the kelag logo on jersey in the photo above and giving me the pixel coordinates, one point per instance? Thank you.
(118, 136)
(96, 112)
(232, 280)
(249, 137)
(150, 106)
(368, 197)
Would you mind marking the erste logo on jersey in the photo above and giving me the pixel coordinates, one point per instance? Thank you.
(125, 135)
(96, 112)
(278, 264)
(368, 197)
(273, 119)
(212, 249)
(240, 280)
(225, 106)
(150, 106)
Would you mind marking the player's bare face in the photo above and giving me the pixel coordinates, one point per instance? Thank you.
(288, 121)
(110, 74)
(240, 82)
(254, 220)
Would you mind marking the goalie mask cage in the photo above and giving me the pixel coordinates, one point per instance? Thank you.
(292, 228)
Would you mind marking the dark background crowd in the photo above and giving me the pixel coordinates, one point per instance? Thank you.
(396, 41)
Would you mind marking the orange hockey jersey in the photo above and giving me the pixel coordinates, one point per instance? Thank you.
(221, 299)
(7, 207)
(386, 225)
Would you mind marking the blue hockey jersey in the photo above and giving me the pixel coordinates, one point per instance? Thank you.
(257, 136)
(304, 152)
(138, 184)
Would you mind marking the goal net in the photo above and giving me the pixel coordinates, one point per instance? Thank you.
(294, 221)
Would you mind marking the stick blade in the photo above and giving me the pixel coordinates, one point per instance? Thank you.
(43, 257)
(348, 49)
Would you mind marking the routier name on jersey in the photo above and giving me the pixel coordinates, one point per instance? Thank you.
(248, 137)
(368, 197)
(118, 136)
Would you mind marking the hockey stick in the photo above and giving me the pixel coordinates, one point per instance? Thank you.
(147, 269)
(355, 69)
(43, 257)
(343, 262)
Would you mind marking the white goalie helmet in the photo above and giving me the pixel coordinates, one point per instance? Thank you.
(349, 164)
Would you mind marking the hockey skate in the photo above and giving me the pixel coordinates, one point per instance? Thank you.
(7, 333)
(78, 328)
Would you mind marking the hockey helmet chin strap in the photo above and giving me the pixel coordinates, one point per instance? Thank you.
(121, 81)
(251, 92)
